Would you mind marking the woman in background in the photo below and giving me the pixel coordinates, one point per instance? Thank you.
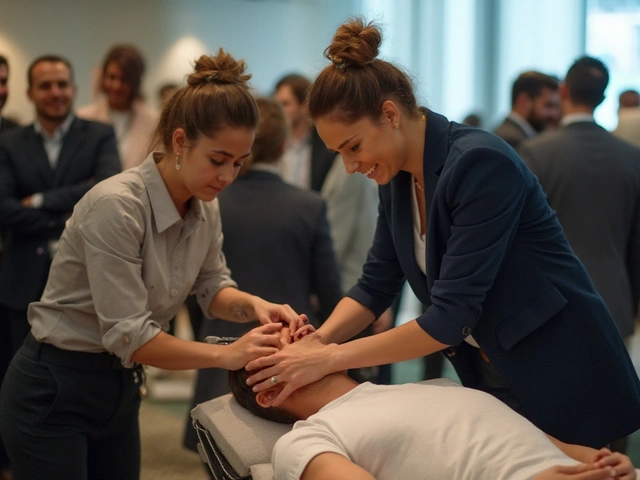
(122, 106)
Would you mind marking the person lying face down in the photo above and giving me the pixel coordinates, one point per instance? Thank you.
(429, 430)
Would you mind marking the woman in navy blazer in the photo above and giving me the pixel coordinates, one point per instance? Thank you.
(464, 221)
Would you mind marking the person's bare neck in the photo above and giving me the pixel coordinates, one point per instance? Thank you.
(300, 130)
(415, 135)
(310, 399)
(569, 108)
(50, 126)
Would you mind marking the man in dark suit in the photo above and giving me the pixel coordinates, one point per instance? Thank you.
(5, 123)
(45, 168)
(592, 181)
(535, 106)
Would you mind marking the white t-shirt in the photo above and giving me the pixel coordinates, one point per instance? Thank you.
(428, 430)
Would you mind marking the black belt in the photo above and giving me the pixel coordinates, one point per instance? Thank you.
(86, 361)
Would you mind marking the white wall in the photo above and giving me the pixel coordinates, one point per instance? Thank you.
(273, 36)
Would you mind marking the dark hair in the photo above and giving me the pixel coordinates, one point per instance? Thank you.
(216, 96)
(51, 59)
(532, 83)
(299, 85)
(131, 62)
(586, 80)
(247, 398)
(271, 134)
(629, 98)
(4, 61)
(356, 84)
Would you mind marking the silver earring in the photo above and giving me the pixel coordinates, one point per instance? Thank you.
(397, 125)
(178, 166)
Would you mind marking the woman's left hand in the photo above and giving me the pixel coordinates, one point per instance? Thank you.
(267, 312)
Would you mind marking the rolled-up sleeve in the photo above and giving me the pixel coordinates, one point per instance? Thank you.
(110, 236)
(214, 274)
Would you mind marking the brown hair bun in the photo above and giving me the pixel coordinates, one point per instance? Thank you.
(355, 44)
(219, 69)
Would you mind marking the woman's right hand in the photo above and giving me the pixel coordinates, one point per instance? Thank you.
(259, 342)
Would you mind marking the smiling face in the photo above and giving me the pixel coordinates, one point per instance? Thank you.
(374, 149)
(212, 163)
(51, 91)
(118, 90)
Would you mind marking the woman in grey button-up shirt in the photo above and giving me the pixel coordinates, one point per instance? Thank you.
(136, 246)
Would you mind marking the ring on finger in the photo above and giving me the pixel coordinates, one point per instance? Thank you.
(274, 380)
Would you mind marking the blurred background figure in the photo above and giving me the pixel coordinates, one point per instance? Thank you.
(535, 106)
(473, 120)
(592, 181)
(276, 242)
(165, 92)
(121, 104)
(5, 123)
(629, 117)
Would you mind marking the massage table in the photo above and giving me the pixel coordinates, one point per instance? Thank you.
(235, 443)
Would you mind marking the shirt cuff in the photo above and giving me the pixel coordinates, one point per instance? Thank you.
(36, 200)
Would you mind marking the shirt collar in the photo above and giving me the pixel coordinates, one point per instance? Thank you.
(265, 167)
(523, 124)
(59, 133)
(164, 210)
(575, 118)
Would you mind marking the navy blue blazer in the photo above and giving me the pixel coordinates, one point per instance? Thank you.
(499, 267)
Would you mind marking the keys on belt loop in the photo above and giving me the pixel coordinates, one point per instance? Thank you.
(140, 378)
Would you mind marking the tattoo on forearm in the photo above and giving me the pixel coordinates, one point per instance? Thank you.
(239, 313)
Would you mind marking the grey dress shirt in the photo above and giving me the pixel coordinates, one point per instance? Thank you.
(125, 264)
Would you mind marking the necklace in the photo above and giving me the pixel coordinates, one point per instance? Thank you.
(418, 184)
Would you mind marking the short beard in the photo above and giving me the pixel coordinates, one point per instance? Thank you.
(54, 118)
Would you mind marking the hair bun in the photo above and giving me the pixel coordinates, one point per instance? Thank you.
(219, 69)
(355, 44)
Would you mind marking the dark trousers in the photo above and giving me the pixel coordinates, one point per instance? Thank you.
(19, 327)
(70, 415)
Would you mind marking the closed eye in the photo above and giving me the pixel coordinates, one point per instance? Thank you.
(355, 147)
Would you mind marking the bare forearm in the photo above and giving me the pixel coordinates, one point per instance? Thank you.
(577, 452)
(399, 344)
(233, 305)
(171, 353)
(347, 320)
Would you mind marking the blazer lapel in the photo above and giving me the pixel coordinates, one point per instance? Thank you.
(38, 155)
(71, 144)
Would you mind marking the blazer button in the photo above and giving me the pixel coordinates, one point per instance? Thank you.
(39, 250)
(466, 331)
(174, 292)
(126, 339)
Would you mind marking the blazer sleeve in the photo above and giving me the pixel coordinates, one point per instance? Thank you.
(15, 217)
(485, 194)
(324, 268)
(106, 162)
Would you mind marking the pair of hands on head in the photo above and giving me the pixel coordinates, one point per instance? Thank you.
(266, 339)
(604, 465)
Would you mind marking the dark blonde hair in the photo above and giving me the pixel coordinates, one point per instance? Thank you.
(356, 84)
(272, 132)
(216, 96)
